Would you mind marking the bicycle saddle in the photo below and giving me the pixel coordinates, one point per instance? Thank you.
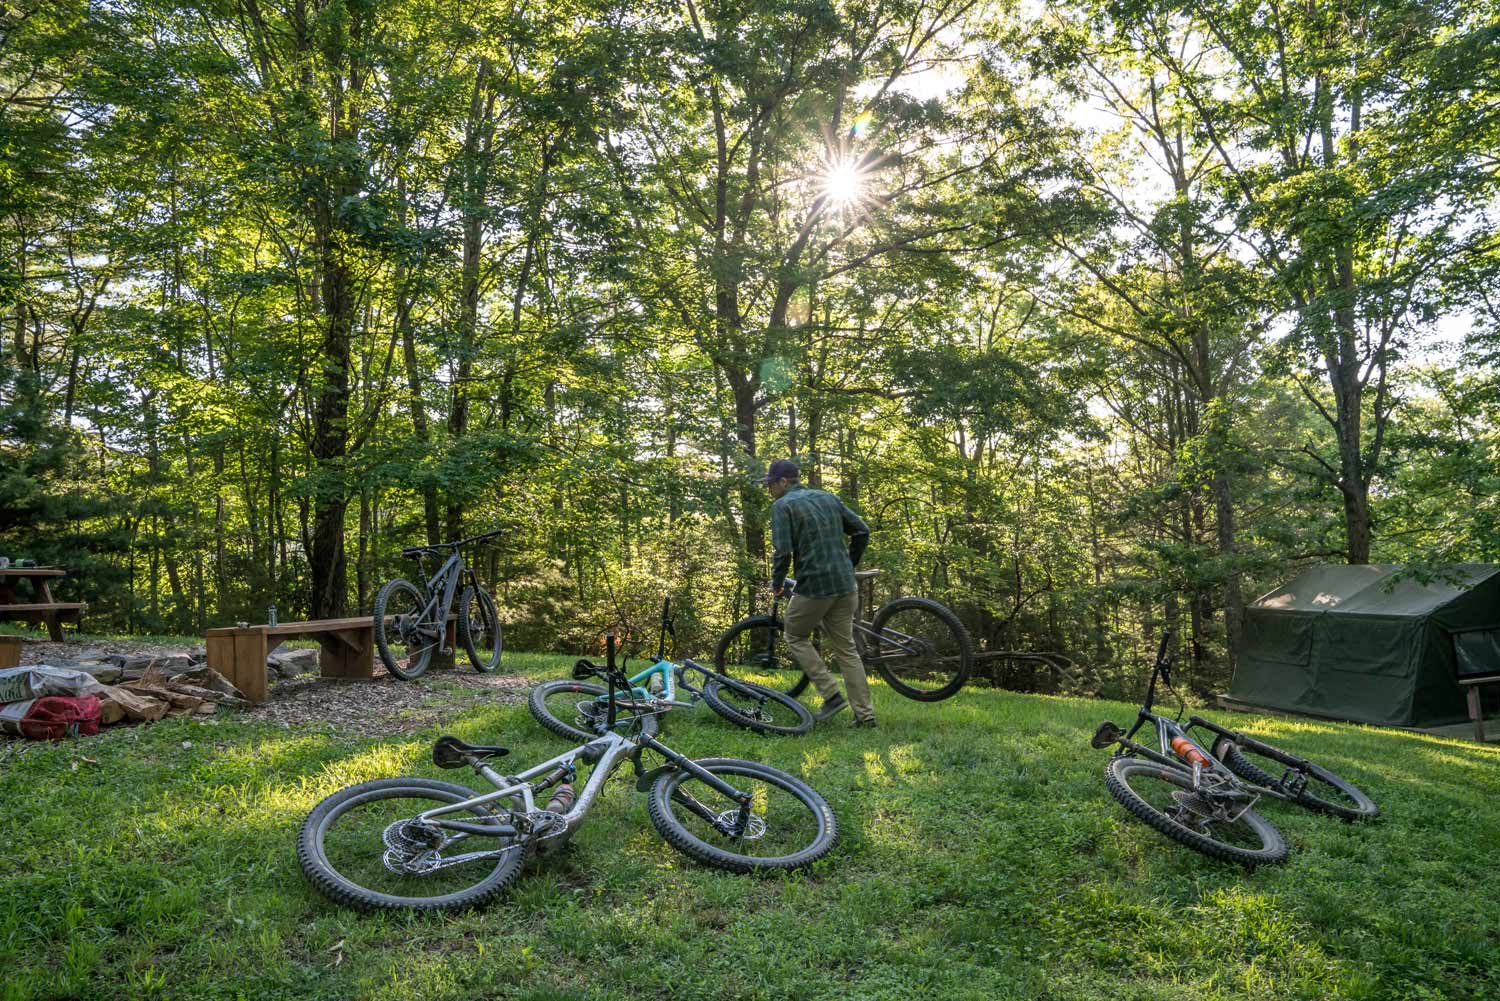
(450, 752)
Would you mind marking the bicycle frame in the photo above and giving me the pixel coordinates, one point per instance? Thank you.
(441, 589)
(605, 753)
(866, 638)
(1168, 729)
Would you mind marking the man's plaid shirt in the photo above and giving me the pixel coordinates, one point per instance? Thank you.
(811, 524)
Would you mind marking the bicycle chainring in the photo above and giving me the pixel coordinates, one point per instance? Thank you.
(547, 824)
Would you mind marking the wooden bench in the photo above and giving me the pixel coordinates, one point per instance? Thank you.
(10, 651)
(348, 650)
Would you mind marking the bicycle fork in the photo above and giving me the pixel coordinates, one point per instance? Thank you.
(735, 829)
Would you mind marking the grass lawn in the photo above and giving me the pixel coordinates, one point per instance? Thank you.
(981, 858)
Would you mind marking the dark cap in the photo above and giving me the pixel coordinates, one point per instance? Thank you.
(782, 469)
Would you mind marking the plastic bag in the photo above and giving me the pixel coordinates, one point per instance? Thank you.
(51, 717)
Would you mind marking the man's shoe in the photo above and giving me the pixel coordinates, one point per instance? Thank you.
(831, 708)
(863, 724)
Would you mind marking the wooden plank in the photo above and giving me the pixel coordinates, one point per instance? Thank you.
(249, 663)
(240, 655)
(1476, 712)
(313, 626)
(319, 626)
(66, 607)
(31, 573)
(10, 651)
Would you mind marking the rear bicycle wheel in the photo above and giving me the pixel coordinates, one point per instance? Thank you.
(1323, 792)
(363, 847)
(920, 649)
(757, 707)
(756, 647)
(405, 641)
(790, 825)
(1163, 798)
(479, 629)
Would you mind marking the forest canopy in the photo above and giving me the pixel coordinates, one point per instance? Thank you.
(1105, 316)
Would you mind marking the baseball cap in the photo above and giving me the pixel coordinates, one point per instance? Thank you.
(782, 468)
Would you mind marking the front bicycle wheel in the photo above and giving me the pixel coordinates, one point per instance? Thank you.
(1323, 791)
(757, 707)
(920, 649)
(364, 847)
(789, 825)
(479, 628)
(756, 647)
(1164, 798)
(405, 640)
(573, 709)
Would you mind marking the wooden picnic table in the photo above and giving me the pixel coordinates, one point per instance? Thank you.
(43, 607)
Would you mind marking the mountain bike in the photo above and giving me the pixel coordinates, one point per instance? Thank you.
(1205, 797)
(744, 703)
(919, 646)
(411, 620)
(423, 844)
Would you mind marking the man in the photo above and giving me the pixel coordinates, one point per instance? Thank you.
(810, 525)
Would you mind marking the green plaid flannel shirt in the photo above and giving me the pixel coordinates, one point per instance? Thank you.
(810, 525)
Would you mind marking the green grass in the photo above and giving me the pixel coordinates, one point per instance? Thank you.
(981, 858)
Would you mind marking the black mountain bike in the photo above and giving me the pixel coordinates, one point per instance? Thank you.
(1205, 797)
(411, 620)
(918, 645)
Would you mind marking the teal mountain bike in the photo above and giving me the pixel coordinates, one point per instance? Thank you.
(569, 708)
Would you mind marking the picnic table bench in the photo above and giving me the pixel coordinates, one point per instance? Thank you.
(43, 607)
(348, 648)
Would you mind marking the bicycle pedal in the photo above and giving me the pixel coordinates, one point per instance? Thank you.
(1107, 734)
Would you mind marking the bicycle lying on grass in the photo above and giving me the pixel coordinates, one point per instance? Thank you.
(410, 620)
(654, 690)
(416, 843)
(919, 646)
(1205, 798)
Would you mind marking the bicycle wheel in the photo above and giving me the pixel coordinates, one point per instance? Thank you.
(757, 707)
(790, 826)
(920, 649)
(479, 629)
(756, 646)
(1163, 798)
(1324, 792)
(570, 709)
(398, 611)
(363, 848)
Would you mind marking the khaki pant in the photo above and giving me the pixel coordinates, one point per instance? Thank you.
(836, 616)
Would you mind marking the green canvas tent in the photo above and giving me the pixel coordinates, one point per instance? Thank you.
(1364, 643)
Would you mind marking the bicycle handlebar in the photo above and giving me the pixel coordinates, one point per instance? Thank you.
(414, 551)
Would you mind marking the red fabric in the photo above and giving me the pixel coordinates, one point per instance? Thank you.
(54, 717)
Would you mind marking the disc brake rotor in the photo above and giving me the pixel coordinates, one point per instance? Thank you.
(755, 828)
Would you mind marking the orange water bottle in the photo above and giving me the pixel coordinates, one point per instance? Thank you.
(1187, 752)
